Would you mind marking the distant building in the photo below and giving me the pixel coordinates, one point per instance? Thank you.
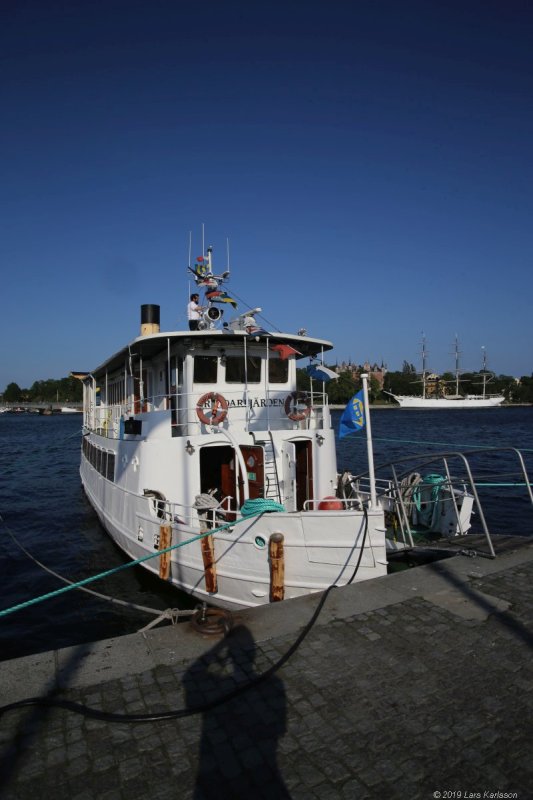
(374, 370)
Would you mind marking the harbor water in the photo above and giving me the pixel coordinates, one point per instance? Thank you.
(42, 506)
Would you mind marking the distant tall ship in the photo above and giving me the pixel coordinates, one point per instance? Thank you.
(433, 392)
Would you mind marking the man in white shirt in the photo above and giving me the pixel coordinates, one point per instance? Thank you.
(193, 312)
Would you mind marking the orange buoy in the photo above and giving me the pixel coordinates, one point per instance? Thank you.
(330, 503)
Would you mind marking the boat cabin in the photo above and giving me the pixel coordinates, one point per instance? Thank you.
(228, 401)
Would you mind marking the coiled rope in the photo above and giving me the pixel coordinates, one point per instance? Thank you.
(260, 505)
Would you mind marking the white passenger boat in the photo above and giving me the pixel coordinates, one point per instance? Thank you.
(198, 440)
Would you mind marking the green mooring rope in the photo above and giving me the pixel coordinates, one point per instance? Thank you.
(259, 506)
(252, 508)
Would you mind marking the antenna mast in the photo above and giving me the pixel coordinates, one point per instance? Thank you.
(484, 370)
(424, 354)
(456, 365)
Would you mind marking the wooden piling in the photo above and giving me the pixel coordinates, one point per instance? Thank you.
(165, 540)
(277, 567)
(210, 570)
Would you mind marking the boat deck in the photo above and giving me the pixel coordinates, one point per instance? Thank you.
(409, 685)
(475, 543)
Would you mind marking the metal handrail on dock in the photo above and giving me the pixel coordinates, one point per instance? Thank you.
(395, 493)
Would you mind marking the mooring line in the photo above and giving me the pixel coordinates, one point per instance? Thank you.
(445, 444)
(115, 600)
(106, 573)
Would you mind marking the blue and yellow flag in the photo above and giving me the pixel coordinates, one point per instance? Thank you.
(353, 416)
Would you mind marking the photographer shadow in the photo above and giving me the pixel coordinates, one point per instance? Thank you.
(243, 717)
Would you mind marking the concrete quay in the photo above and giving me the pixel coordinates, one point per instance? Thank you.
(417, 685)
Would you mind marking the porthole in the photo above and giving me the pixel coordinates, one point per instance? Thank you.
(260, 543)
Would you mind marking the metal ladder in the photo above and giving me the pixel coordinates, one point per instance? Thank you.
(272, 488)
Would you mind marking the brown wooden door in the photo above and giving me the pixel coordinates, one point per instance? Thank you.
(304, 473)
(255, 471)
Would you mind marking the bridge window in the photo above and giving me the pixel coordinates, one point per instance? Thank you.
(205, 369)
(235, 372)
(278, 370)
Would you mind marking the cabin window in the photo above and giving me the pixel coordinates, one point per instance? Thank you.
(278, 370)
(110, 471)
(235, 372)
(102, 460)
(205, 369)
(116, 392)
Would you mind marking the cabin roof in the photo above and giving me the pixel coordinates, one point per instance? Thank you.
(152, 344)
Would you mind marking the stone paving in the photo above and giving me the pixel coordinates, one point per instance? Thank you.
(406, 701)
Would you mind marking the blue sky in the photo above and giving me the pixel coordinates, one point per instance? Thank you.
(370, 162)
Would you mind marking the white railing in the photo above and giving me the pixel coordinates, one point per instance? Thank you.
(251, 412)
(152, 506)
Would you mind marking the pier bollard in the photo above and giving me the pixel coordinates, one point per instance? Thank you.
(210, 570)
(277, 567)
(165, 540)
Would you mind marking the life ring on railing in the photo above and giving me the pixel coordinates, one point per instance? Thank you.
(290, 406)
(218, 411)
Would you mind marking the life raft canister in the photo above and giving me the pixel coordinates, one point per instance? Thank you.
(291, 402)
(218, 411)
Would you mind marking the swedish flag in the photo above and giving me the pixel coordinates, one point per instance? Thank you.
(353, 416)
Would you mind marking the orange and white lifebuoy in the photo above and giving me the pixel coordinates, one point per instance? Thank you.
(218, 411)
(297, 399)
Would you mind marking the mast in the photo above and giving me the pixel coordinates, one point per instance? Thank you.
(484, 370)
(456, 365)
(424, 354)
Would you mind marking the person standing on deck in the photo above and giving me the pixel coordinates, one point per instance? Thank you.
(193, 312)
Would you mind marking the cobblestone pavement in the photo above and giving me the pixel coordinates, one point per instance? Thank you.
(408, 701)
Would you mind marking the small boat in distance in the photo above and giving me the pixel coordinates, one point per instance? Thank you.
(69, 410)
(434, 395)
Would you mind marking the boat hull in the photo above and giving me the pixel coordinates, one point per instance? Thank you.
(430, 403)
(321, 548)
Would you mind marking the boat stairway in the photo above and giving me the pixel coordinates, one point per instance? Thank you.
(272, 490)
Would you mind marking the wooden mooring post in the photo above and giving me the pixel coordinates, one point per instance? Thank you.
(277, 567)
(165, 540)
(210, 570)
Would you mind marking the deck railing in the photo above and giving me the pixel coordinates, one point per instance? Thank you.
(392, 488)
(251, 412)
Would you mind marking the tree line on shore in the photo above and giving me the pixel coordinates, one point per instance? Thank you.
(64, 390)
(405, 381)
